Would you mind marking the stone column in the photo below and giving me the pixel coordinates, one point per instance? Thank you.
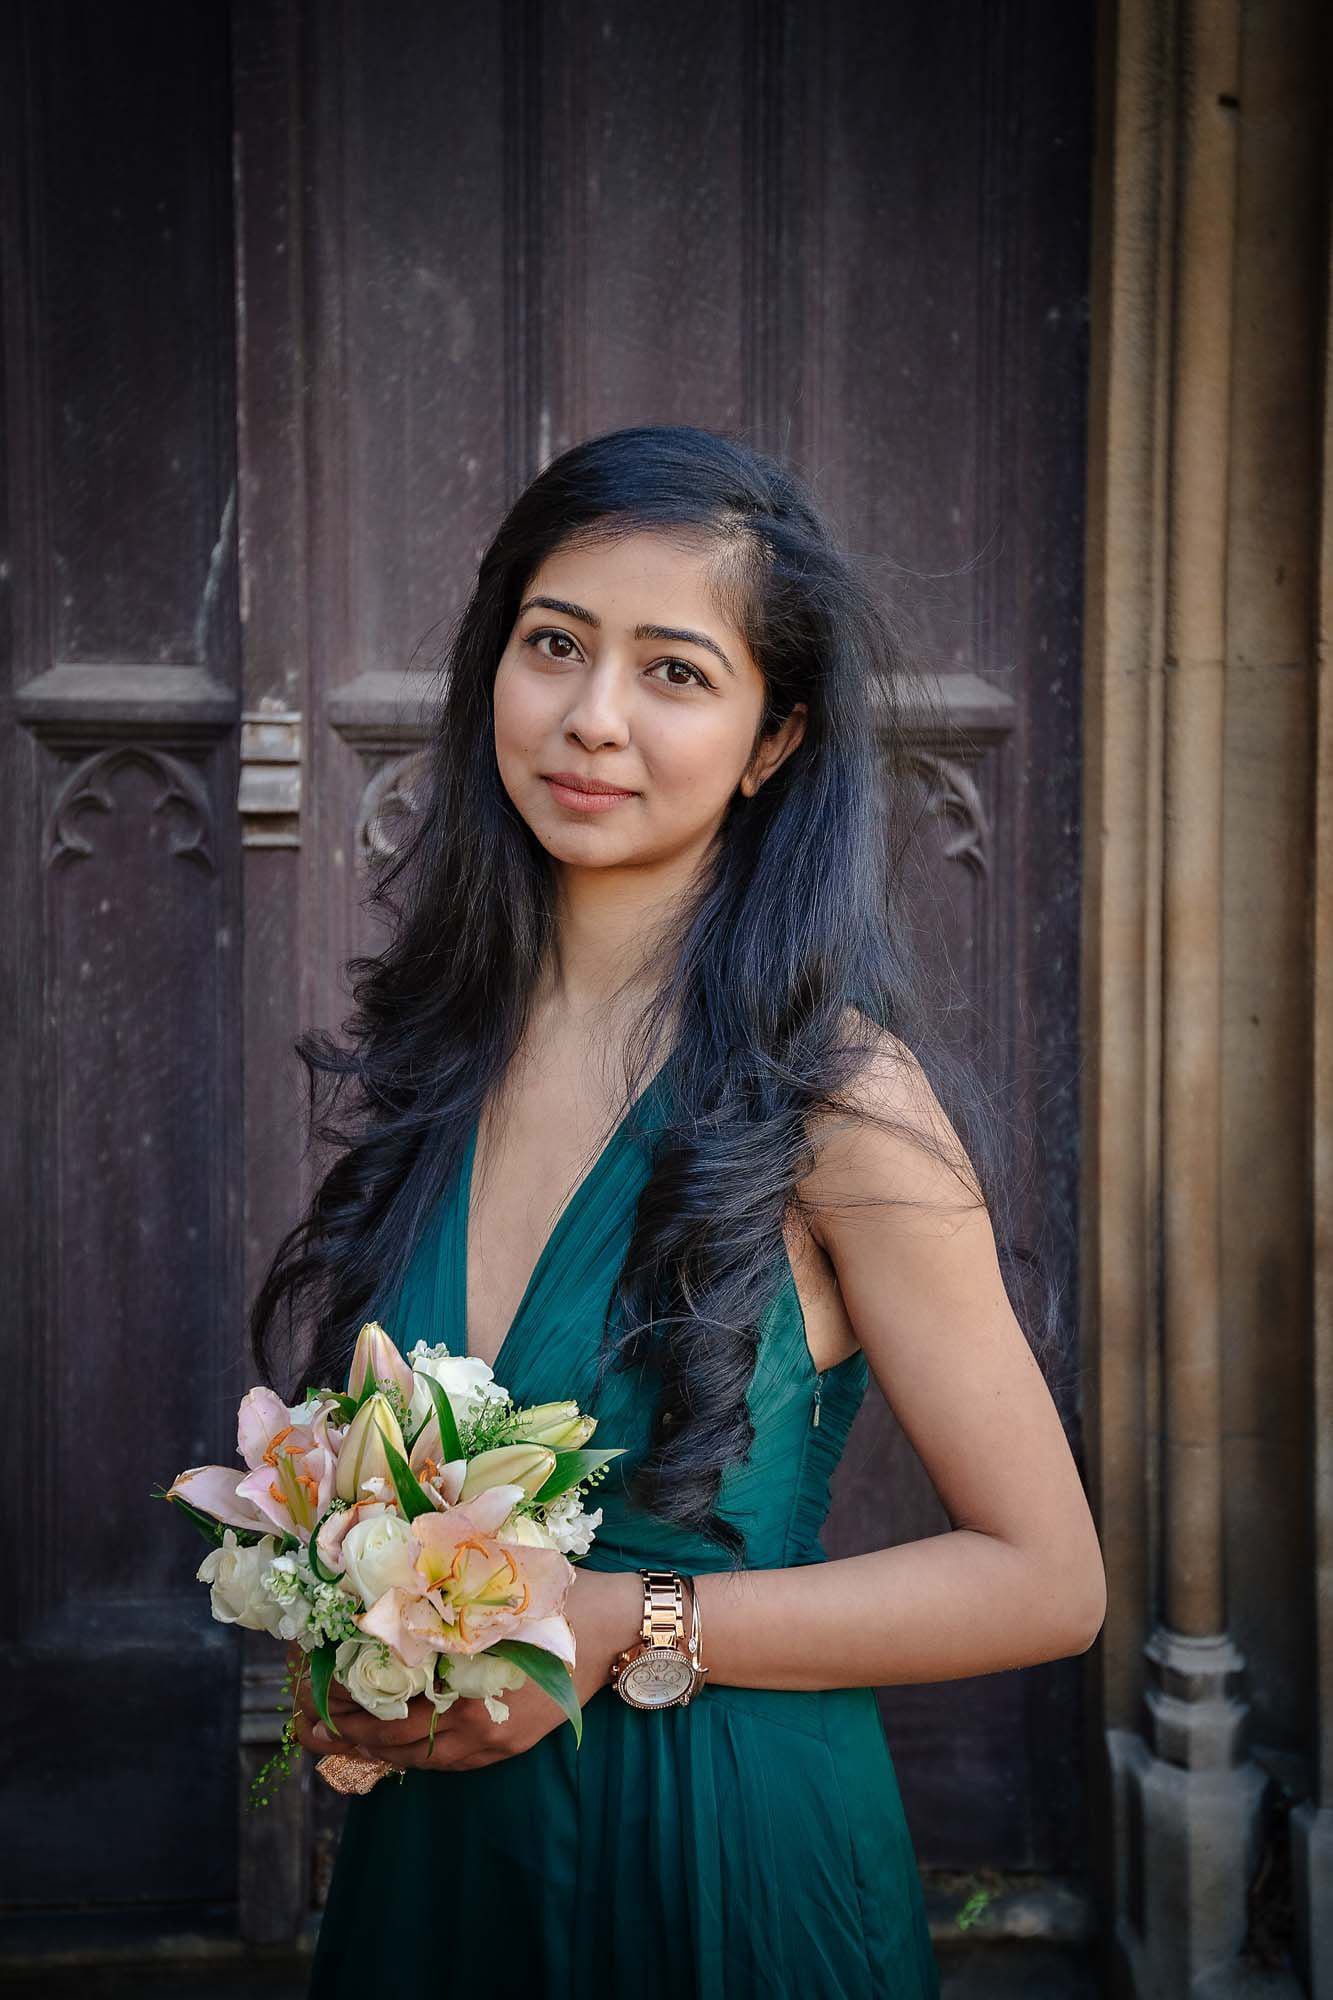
(1185, 1796)
(1312, 1824)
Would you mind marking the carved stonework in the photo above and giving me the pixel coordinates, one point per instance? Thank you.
(952, 794)
(393, 795)
(90, 785)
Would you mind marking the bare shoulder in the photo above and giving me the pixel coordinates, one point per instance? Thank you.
(891, 1144)
(912, 1244)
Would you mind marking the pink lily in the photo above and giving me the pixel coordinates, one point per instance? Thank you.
(212, 1488)
(476, 1590)
(292, 1465)
(441, 1479)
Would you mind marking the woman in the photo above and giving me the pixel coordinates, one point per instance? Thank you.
(637, 1115)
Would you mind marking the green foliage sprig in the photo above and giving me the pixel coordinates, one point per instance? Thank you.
(278, 1767)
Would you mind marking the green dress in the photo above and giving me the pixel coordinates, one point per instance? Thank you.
(748, 1846)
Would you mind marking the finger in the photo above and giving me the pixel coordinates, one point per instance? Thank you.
(376, 1734)
(337, 1694)
(381, 1738)
(338, 1702)
(442, 1755)
(313, 1736)
(338, 1710)
(472, 1741)
(298, 1667)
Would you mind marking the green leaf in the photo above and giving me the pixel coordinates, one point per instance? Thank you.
(451, 1444)
(569, 1468)
(551, 1675)
(321, 1673)
(411, 1496)
(324, 1575)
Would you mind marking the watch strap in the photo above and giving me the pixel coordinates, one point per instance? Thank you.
(663, 1608)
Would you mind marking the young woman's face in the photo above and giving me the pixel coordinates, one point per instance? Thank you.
(621, 672)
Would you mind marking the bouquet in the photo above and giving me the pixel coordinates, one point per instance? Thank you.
(413, 1533)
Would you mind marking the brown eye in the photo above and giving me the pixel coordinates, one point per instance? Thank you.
(686, 666)
(534, 639)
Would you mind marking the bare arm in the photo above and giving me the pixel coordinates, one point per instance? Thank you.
(1019, 1578)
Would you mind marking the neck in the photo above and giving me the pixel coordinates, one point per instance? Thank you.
(608, 925)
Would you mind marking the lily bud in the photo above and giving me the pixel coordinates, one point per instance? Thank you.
(376, 1359)
(556, 1424)
(525, 1465)
(361, 1455)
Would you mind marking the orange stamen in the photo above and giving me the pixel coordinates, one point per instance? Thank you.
(275, 1441)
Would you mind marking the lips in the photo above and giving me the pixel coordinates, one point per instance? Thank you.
(570, 781)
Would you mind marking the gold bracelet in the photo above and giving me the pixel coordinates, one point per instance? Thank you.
(696, 1626)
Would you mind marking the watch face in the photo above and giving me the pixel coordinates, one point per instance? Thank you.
(658, 1677)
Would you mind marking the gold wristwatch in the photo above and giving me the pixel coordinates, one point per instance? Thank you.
(659, 1670)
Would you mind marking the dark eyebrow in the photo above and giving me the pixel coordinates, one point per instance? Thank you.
(678, 633)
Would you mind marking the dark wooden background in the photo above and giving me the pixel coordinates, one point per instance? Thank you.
(296, 298)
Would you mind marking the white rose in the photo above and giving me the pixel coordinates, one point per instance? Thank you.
(234, 1573)
(479, 1676)
(375, 1676)
(467, 1380)
(379, 1551)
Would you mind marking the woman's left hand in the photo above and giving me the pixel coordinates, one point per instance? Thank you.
(601, 1607)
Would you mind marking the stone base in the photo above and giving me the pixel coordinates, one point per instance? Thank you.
(1312, 1874)
(1188, 1808)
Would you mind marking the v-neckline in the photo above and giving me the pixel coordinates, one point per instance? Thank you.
(574, 1202)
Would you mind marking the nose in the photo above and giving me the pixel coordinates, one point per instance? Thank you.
(596, 716)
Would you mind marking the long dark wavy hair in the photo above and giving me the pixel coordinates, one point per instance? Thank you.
(789, 955)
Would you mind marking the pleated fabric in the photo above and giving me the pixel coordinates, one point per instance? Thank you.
(750, 1846)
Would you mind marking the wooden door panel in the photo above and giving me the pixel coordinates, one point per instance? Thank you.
(122, 989)
(857, 234)
(340, 280)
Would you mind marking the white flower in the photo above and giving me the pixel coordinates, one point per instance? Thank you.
(422, 1351)
(306, 1608)
(306, 1412)
(480, 1676)
(524, 1528)
(467, 1380)
(235, 1574)
(293, 1622)
(571, 1528)
(379, 1553)
(374, 1675)
(289, 1609)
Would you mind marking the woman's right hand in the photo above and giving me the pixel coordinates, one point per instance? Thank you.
(373, 1736)
(306, 1715)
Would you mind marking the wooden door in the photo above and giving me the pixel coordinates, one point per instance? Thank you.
(296, 299)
